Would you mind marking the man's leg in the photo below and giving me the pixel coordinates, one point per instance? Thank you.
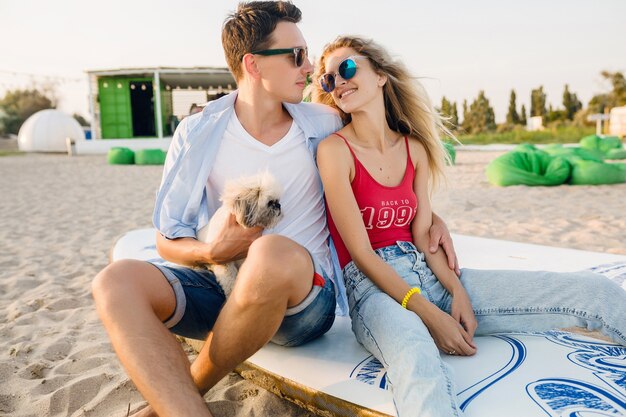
(277, 274)
(266, 286)
(132, 299)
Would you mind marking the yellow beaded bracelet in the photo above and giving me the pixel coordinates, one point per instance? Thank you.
(408, 295)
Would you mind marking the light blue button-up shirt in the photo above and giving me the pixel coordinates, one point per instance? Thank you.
(181, 204)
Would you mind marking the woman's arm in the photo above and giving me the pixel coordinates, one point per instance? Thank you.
(437, 261)
(420, 227)
(336, 169)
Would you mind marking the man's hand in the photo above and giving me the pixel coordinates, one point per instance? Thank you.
(232, 242)
(440, 236)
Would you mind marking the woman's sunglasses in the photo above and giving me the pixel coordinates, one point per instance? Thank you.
(299, 54)
(347, 69)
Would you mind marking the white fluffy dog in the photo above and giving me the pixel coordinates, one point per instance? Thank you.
(254, 201)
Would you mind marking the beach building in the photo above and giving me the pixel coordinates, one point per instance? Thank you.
(534, 123)
(140, 108)
(617, 122)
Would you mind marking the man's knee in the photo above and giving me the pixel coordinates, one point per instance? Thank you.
(276, 268)
(125, 278)
(135, 282)
(280, 258)
(109, 279)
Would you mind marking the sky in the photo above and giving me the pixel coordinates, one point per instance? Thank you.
(455, 48)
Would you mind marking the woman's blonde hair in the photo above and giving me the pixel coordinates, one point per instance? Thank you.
(408, 109)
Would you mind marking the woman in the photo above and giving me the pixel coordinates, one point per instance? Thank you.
(405, 303)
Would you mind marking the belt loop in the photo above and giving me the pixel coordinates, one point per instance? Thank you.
(406, 247)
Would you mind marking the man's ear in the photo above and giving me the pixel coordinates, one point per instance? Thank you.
(250, 66)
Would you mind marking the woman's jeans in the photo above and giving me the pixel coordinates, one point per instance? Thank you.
(503, 301)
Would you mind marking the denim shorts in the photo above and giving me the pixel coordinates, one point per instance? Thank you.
(199, 300)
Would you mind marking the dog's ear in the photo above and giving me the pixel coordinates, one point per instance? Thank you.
(245, 208)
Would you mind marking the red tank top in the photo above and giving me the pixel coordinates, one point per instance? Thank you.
(387, 211)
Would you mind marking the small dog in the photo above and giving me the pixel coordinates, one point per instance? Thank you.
(255, 201)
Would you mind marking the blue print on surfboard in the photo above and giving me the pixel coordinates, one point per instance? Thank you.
(555, 396)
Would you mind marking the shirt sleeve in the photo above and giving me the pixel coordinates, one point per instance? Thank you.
(169, 206)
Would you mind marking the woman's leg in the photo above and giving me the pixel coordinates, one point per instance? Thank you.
(421, 382)
(506, 301)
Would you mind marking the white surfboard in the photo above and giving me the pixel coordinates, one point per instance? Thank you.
(515, 374)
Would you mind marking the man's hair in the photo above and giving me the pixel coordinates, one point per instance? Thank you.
(250, 27)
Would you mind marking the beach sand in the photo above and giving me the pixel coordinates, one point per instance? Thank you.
(61, 215)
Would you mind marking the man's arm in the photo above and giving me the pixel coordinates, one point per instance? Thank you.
(231, 243)
(440, 236)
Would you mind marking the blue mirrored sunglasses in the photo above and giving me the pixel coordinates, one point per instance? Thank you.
(347, 69)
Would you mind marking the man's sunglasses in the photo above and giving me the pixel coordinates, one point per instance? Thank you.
(347, 69)
(299, 54)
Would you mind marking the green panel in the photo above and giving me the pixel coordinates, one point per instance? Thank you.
(116, 118)
(166, 111)
(115, 113)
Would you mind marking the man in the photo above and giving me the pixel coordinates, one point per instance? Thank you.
(263, 125)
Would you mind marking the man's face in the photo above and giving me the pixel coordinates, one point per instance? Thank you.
(280, 77)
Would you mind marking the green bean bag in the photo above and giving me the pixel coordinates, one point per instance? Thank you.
(526, 147)
(121, 156)
(451, 151)
(616, 154)
(150, 157)
(574, 153)
(597, 173)
(597, 143)
(527, 168)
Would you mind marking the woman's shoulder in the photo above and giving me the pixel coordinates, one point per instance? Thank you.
(334, 140)
(333, 146)
(417, 149)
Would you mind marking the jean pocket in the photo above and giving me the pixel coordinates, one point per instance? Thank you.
(357, 284)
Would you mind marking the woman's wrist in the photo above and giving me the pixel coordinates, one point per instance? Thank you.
(456, 288)
(420, 306)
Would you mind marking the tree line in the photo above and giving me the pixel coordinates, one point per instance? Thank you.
(18, 105)
(478, 116)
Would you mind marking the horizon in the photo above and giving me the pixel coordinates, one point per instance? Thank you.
(509, 46)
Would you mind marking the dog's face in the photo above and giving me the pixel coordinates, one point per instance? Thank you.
(255, 201)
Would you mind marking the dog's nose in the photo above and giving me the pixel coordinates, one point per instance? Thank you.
(274, 204)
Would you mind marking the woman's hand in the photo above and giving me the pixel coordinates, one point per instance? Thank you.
(448, 334)
(462, 311)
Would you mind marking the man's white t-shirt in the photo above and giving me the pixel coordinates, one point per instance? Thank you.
(291, 163)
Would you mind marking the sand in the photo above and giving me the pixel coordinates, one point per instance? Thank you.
(61, 215)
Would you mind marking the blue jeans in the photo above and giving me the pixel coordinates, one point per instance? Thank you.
(199, 300)
(503, 301)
